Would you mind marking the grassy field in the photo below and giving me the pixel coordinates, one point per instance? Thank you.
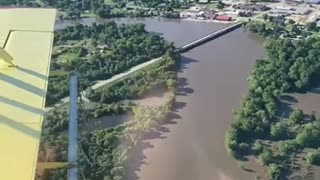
(109, 2)
(88, 15)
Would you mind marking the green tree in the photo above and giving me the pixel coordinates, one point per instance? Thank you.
(265, 17)
(274, 171)
(309, 136)
(312, 26)
(288, 147)
(94, 42)
(313, 116)
(103, 12)
(270, 18)
(290, 21)
(271, 107)
(258, 147)
(296, 116)
(8, 2)
(220, 5)
(265, 157)
(231, 141)
(278, 131)
(314, 157)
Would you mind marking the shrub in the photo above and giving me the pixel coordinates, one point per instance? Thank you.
(244, 148)
(309, 136)
(278, 131)
(274, 171)
(265, 157)
(296, 116)
(257, 147)
(314, 157)
(289, 146)
(232, 141)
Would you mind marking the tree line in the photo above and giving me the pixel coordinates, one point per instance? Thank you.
(272, 28)
(29, 3)
(115, 8)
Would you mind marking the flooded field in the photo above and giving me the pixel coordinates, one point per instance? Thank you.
(308, 102)
(155, 97)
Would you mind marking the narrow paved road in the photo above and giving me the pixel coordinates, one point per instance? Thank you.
(107, 81)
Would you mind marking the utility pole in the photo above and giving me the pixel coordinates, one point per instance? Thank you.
(73, 129)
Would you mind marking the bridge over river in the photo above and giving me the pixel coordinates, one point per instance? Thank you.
(209, 37)
(183, 48)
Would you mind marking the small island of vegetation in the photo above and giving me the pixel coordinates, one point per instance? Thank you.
(283, 143)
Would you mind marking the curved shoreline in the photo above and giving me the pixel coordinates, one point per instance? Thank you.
(192, 147)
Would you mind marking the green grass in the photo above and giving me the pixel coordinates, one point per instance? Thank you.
(212, 5)
(88, 15)
(109, 2)
(67, 57)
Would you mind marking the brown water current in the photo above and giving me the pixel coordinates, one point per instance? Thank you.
(212, 82)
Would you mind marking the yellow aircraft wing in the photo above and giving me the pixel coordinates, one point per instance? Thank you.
(26, 38)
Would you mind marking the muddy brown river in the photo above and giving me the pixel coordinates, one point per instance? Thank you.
(212, 83)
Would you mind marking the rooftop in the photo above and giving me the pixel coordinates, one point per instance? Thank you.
(26, 35)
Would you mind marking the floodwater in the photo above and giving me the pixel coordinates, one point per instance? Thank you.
(212, 82)
(307, 102)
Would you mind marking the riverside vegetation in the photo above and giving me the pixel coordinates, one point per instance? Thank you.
(104, 152)
(259, 128)
(100, 51)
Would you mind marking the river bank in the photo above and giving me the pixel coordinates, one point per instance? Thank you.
(192, 146)
(206, 95)
(212, 81)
